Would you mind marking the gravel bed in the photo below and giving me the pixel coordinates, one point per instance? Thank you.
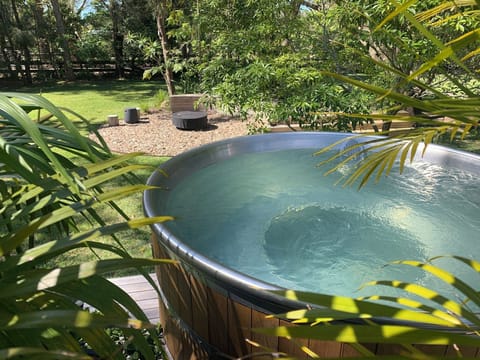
(155, 134)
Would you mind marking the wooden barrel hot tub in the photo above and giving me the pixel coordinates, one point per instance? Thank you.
(208, 310)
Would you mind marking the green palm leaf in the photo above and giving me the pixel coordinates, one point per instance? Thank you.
(13, 112)
(43, 103)
(449, 52)
(450, 305)
(38, 353)
(462, 112)
(30, 281)
(44, 252)
(359, 334)
(359, 309)
(446, 277)
(58, 318)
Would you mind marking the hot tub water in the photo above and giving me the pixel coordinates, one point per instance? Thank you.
(275, 217)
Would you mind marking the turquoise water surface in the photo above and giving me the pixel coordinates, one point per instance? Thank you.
(276, 217)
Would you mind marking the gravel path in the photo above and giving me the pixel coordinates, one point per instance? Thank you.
(155, 134)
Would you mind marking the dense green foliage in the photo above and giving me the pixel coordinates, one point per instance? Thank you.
(53, 181)
(59, 39)
(264, 59)
(279, 51)
(435, 109)
(269, 59)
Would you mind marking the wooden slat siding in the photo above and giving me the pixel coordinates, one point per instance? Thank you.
(292, 347)
(184, 311)
(171, 286)
(389, 349)
(163, 316)
(158, 271)
(432, 350)
(466, 351)
(325, 349)
(349, 351)
(173, 338)
(218, 320)
(199, 307)
(185, 299)
(168, 282)
(142, 292)
(259, 320)
(172, 333)
(179, 343)
(239, 328)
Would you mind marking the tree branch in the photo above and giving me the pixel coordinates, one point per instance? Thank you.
(311, 5)
(81, 7)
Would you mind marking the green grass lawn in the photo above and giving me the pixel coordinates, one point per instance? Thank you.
(94, 100)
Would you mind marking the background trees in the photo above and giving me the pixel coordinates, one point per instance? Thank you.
(60, 39)
(254, 57)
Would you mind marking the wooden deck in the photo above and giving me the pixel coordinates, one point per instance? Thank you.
(142, 292)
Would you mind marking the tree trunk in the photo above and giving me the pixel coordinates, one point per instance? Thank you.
(67, 58)
(27, 73)
(117, 38)
(14, 58)
(162, 35)
(8, 46)
(9, 60)
(40, 31)
(28, 65)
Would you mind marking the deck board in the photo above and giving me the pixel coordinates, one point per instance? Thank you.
(142, 292)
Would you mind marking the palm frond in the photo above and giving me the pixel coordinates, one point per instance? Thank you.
(459, 114)
(388, 319)
(52, 175)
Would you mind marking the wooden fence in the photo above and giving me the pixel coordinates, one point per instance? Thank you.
(49, 70)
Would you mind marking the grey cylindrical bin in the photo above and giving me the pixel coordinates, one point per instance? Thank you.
(131, 115)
